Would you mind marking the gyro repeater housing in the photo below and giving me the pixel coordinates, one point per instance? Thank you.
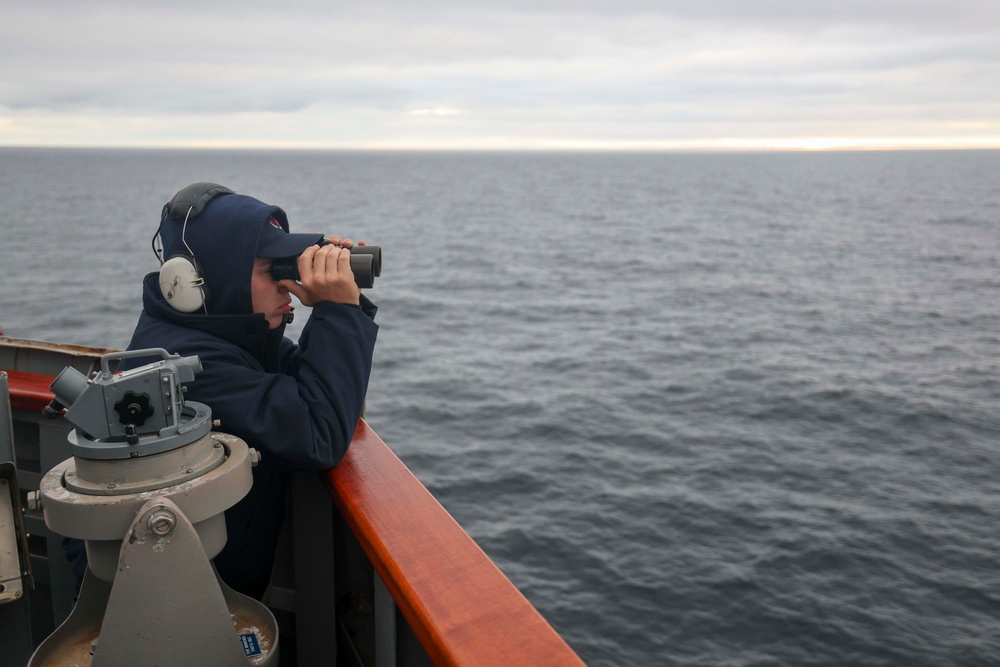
(134, 413)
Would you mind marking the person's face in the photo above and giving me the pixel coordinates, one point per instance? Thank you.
(269, 297)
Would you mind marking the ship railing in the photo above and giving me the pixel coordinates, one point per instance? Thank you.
(371, 570)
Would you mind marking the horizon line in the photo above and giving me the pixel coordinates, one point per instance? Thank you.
(560, 148)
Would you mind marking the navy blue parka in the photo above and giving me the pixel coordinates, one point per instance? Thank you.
(296, 404)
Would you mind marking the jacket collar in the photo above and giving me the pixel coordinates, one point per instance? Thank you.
(250, 332)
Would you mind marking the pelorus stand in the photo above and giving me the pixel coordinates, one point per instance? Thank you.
(146, 490)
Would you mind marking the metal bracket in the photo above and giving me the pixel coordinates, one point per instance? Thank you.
(6, 421)
(14, 561)
(15, 564)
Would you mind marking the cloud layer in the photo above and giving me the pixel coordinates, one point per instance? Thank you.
(630, 74)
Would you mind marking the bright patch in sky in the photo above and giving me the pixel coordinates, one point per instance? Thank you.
(437, 111)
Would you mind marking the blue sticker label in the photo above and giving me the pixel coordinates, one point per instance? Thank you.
(250, 645)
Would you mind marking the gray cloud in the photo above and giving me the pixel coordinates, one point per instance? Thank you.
(936, 13)
(667, 68)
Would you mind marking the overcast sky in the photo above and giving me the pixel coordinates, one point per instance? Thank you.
(506, 74)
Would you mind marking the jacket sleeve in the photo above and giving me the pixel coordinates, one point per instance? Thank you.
(304, 417)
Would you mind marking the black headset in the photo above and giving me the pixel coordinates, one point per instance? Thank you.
(181, 280)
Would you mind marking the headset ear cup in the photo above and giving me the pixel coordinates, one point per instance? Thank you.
(182, 285)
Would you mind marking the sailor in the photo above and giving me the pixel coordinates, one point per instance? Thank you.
(297, 404)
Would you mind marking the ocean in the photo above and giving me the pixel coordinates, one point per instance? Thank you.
(703, 409)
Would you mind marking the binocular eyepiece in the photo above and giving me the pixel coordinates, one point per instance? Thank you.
(366, 264)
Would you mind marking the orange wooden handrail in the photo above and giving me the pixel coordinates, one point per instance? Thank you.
(460, 605)
(28, 391)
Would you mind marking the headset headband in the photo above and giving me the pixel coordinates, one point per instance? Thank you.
(187, 203)
(190, 201)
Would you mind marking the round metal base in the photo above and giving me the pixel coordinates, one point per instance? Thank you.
(117, 477)
(90, 516)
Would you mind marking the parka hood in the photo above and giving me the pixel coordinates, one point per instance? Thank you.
(223, 240)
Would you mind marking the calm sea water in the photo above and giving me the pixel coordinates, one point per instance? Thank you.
(718, 409)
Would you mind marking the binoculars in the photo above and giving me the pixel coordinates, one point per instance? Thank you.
(366, 264)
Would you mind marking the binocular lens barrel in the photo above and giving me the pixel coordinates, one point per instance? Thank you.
(366, 264)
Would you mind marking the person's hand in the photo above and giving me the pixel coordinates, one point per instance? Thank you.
(326, 275)
(346, 243)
